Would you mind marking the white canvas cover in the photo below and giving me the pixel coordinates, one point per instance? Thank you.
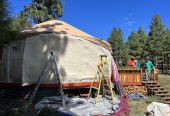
(159, 109)
(62, 27)
(76, 56)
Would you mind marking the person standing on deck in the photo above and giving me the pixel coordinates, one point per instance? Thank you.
(148, 68)
(137, 64)
(131, 62)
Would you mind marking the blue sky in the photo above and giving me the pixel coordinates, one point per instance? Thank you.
(98, 17)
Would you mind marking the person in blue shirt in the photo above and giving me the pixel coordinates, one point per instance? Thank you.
(148, 68)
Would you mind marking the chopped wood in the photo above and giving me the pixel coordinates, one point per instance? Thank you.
(135, 90)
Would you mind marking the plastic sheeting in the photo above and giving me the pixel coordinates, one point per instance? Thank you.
(89, 108)
(135, 96)
(159, 109)
(81, 106)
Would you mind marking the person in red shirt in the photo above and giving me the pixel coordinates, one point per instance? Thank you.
(131, 62)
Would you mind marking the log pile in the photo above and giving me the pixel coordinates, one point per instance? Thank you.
(142, 90)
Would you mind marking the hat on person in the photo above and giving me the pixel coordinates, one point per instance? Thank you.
(132, 57)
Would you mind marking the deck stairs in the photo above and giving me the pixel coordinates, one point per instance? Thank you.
(158, 90)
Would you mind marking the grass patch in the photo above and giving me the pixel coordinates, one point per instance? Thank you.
(164, 81)
(152, 98)
(139, 107)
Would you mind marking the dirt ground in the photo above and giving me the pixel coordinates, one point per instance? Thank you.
(16, 107)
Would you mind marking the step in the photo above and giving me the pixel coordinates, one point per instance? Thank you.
(95, 88)
(167, 102)
(108, 97)
(161, 91)
(163, 94)
(166, 98)
(106, 84)
(157, 88)
(153, 85)
(108, 91)
(149, 82)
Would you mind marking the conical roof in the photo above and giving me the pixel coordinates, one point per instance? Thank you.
(62, 27)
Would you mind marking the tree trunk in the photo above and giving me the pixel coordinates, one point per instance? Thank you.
(156, 62)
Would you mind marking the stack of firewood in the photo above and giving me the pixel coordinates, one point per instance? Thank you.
(135, 90)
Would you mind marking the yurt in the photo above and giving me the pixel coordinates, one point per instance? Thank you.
(77, 54)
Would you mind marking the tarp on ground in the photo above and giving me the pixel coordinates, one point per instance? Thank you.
(81, 106)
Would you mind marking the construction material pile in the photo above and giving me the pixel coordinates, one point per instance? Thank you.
(141, 90)
(80, 106)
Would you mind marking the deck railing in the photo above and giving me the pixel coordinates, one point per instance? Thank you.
(130, 77)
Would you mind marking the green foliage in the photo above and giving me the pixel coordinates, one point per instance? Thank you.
(152, 98)
(4, 16)
(166, 41)
(20, 23)
(164, 81)
(6, 34)
(118, 46)
(133, 44)
(136, 45)
(155, 44)
(142, 42)
(43, 10)
(156, 37)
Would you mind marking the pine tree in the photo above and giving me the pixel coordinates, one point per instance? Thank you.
(118, 46)
(20, 23)
(4, 16)
(155, 38)
(43, 10)
(5, 19)
(166, 41)
(133, 44)
(142, 38)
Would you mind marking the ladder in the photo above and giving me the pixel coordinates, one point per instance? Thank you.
(52, 56)
(104, 86)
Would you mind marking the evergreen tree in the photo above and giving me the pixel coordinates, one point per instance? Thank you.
(155, 38)
(137, 45)
(5, 33)
(133, 44)
(4, 16)
(20, 23)
(43, 10)
(142, 38)
(166, 42)
(118, 46)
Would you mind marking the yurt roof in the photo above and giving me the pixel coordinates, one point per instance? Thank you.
(61, 27)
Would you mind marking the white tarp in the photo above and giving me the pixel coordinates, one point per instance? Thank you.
(77, 58)
(159, 109)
